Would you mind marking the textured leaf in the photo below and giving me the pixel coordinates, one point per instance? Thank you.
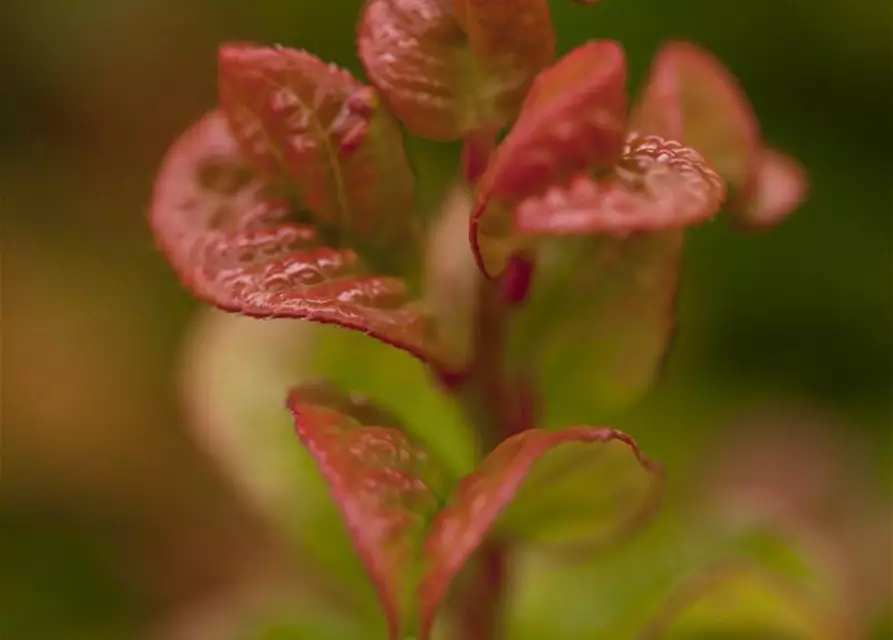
(691, 97)
(314, 124)
(448, 69)
(386, 487)
(241, 249)
(599, 319)
(656, 185)
(482, 496)
(568, 167)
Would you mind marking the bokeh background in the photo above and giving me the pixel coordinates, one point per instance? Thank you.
(112, 519)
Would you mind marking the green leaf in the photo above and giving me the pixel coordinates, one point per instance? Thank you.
(652, 580)
(599, 318)
(448, 70)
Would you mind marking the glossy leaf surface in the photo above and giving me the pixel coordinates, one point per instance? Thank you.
(238, 247)
(386, 487)
(448, 69)
(568, 167)
(501, 480)
(690, 96)
(314, 125)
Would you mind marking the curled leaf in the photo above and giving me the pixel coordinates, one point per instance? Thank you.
(657, 184)
(385, 486)
(690, 96)
(239, 247)
(481, 497)
(448, 69)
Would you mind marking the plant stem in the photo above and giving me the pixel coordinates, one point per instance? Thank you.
(497, 406)
(481, 608)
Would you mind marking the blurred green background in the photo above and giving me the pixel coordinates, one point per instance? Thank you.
(112, 520)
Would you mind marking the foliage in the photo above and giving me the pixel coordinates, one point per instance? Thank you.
(295, 200)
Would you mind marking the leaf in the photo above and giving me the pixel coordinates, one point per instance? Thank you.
(690, 96)
(599, 319)
(568, 167)
(481, 497)
(744, 599)
(656, 185)
(241, 249)
(573, 118)
(313, 124)
(450, 69)
(782, 186)
(649, 578)
(385, 486)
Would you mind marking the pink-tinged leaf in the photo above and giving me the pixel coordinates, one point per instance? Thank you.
(315, 126)
(239, 248)
(480, 499)
(573, 120)
(657, 184)
(449, 69)
(599, 320)
(690, 96)
(385, 486)
(781, 187)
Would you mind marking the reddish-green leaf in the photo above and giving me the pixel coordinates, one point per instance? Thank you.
(567, 167)
(691, 97)
(599, 319)
(314, 125)
(656, 185)
(549, 459)
(386, 487)
(450, 69)
(236, 246)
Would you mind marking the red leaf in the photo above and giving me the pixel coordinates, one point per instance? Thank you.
(450, 69)
(690, 96)
(315, 125)
(657, 184)
(242, 250)
(385, 486)
(574, 118)
(481, 497)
